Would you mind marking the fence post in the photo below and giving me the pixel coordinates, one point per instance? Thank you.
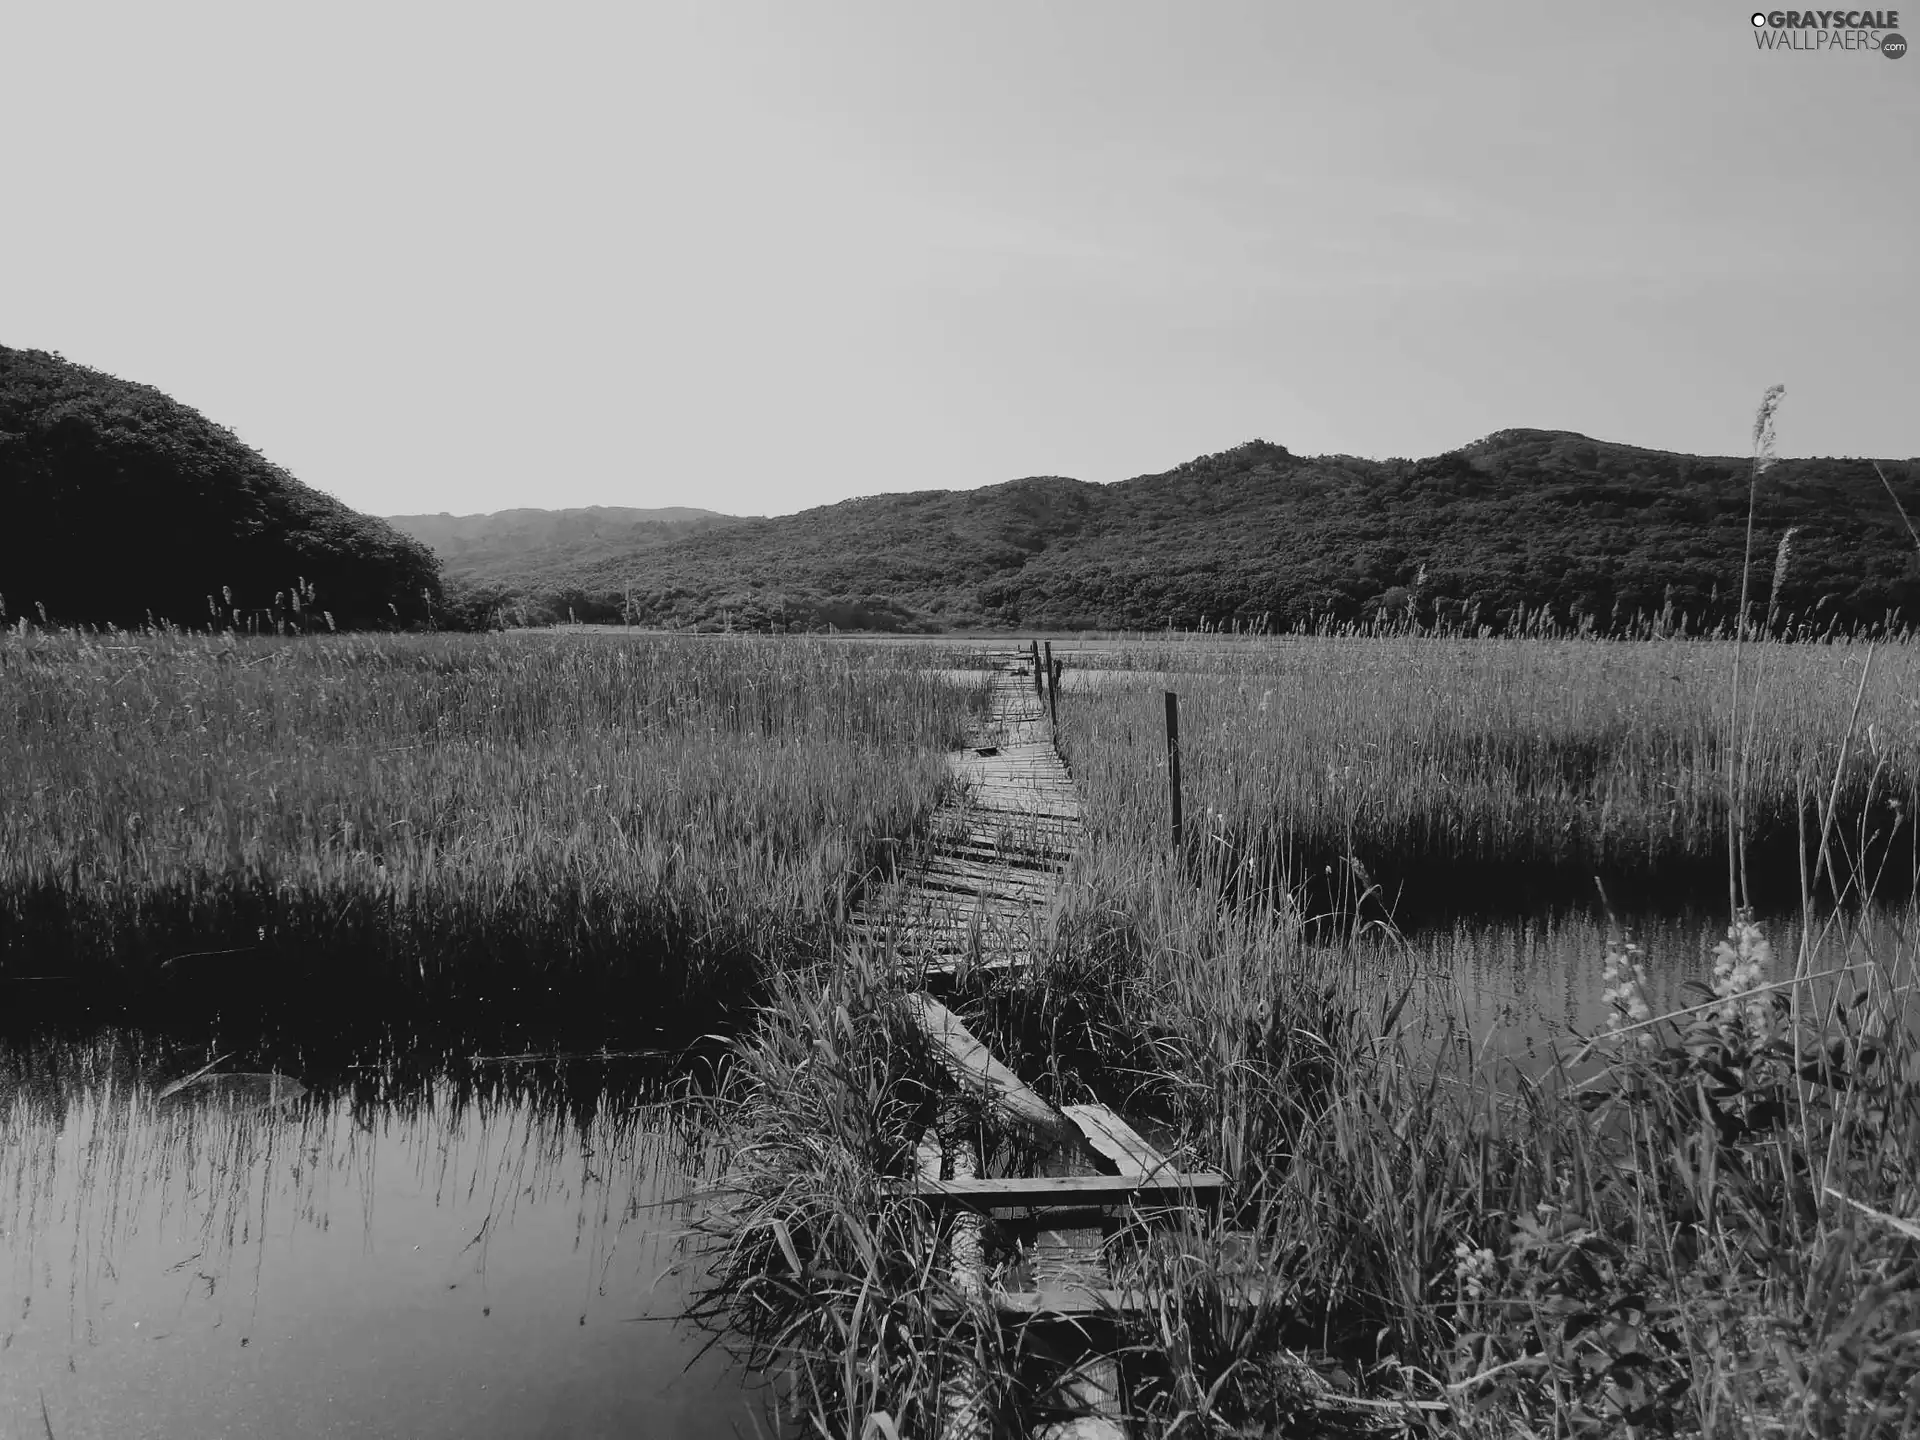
(1053, 690)
(1038, 684)
(1173, 764)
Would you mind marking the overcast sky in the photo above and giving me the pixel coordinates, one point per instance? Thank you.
(756, 257)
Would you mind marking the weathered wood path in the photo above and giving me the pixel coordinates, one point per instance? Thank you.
(999, 845)
(1030, 1249)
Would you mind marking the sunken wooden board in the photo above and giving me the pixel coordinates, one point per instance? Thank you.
(976, 1071)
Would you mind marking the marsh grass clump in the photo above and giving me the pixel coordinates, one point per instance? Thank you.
(1489, 775)
(439, 819)
(805, 1264)
(1711, 1256)
(1696, 1223)
(1702, 1222)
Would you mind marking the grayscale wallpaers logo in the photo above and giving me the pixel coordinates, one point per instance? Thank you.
(1833, 30)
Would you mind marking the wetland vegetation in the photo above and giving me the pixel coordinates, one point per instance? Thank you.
(1690, 1211)
(1702, 1223)
(416, 821)
(1499, 776)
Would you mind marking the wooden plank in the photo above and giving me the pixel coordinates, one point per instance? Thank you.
(988, 870)
(1117, 1140)
(1079, 1300)
(963, 1406)
(975, 1069)
(960, 908)
(1084, 1427)
(1010, 810)
(1051, 849)
(1045, 787)
(933, 900)
(1043, 830)
(1073, 1300)
(1005, 857)
(1070, 1191)
(1008, 894)
(1037, 782)
(997, 883)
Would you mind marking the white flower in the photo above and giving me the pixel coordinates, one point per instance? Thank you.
(1473, 1269)
(1625, 995)
(1740, 965)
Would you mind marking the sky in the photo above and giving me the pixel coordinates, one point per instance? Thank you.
(759, 257)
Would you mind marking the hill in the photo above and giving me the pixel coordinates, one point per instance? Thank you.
(1522, 523)
(524, 544)
(122, 504)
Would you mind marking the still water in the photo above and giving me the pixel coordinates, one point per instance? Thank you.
(476, 1253)
(1522, 989)
(436, 1244)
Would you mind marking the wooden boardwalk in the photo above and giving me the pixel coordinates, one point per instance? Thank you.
(1032, 1249)
(998, 848)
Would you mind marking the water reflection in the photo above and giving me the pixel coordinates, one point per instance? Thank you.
(472, 1253)
(1518, 986)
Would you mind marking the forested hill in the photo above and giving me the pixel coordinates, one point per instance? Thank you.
(121, 504)
(1520, 521)
(509, 544)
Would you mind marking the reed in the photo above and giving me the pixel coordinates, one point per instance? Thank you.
(804, 1265)
(1698, 1223)
(434, 819)
(1495, 774)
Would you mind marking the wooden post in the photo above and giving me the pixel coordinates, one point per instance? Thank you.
(1053, 689)
(1173, 763)
(1039, 684)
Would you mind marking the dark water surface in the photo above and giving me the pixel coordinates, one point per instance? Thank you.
(1521, 988)
(466, 1253)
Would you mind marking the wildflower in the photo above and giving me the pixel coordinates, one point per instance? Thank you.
(1739, 967)
(1626, 994)
(1473, 1269)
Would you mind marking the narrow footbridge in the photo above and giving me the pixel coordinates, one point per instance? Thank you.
(1036, 1248)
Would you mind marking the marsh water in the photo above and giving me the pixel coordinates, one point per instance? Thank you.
(1526, 990)
(472, 1249)
(430, 1240)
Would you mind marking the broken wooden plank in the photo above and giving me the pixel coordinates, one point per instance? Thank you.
(1070, 1191)
(1107, 1133)
(963, 1407)
(1066, 1301)
(976, 1071)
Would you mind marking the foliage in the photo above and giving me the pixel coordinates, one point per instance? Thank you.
(124, 506)
(1520, 529)
(807, 1266)
(433, 818)
(520, 543)
(1494, 774)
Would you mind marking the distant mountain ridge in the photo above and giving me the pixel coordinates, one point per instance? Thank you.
(528, 542)
(119, 504)
(1520, 522)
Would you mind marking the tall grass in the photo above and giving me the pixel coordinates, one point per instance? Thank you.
(1703, 1224)
(807, 1267)
(1463, 774)
(449, 818)
(1700, 1224)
